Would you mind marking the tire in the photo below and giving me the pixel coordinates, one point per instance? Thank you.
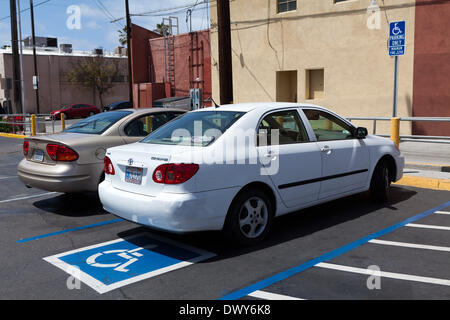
(249, 218)
(91, 114)
(65, 116)
(381, 182)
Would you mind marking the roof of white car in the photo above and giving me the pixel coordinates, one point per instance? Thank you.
(266, 106)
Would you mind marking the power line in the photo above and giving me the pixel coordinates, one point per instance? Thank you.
(107, 13)
(36, 5)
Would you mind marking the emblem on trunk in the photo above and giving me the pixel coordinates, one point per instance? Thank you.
(130, 161)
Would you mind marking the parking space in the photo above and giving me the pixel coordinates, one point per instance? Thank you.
(410, 262)
(49, 240)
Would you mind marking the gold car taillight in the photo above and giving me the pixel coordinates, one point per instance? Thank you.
(62, 153)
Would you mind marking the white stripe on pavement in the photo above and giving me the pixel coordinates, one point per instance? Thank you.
(409, 245)
(271, 296)
(442, 212)
(427, 226)
(28, 197)
(392, 275)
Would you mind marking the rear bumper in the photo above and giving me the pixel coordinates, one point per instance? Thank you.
(62, 177)
(171, 212)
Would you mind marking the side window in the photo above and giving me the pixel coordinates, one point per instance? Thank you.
(284, 125)
(144, 125)
(327, 127)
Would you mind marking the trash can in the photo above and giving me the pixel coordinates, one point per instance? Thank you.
(41, 126)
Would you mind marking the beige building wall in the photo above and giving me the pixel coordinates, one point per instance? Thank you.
(320, 34)
(54, 90)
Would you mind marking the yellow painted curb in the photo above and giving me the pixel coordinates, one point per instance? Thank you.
(423, 182)
(12, 135)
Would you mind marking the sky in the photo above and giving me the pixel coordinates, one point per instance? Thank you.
(92, 27)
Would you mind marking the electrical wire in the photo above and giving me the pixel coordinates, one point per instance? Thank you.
(34, 5)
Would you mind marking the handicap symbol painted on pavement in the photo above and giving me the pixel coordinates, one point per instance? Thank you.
(113, 264)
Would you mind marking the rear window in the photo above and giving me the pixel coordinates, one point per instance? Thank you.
(98, 123)
(195, 128)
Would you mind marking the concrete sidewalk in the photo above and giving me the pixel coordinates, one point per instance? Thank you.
(427, 164)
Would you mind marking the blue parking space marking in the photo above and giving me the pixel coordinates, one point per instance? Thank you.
(113, 264)
(326, 257)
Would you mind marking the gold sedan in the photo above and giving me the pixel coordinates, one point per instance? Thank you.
(72, 161)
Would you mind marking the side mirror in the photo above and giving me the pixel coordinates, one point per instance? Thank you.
(361, 133)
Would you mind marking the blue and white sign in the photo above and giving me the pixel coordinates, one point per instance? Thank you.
(397, 38)
(113, 264)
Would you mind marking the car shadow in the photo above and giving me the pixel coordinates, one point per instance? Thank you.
(288, 227)
(72, 205)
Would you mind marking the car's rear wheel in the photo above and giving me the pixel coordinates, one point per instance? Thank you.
(91, 114)
(65, 116)
(380, 184)
(249, 218)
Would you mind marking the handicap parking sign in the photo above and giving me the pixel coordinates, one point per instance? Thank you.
(397, 38)
(113, 264)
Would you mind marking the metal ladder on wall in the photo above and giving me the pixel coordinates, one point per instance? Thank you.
(169, 48)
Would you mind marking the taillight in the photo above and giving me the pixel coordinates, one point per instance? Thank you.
(59, 152)
(26, 146)
(109, 168)
(174, 173)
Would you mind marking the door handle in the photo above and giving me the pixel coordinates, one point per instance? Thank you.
(326, 149)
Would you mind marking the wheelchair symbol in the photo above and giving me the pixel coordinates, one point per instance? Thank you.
(396, 30)
(131, 256)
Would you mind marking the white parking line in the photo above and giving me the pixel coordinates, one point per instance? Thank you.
(271, 296)
(392, 275)
(410, 245)
(442, 212)
(28, 197)
(427, 226)
(5, 178)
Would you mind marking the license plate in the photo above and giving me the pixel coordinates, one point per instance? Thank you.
(38, 155)
(133, 175)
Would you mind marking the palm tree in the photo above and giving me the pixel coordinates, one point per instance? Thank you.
(162, 29)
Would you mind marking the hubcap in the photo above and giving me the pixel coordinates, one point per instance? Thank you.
(253, 217)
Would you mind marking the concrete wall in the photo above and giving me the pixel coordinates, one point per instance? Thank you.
(358, 72)
(54, 90)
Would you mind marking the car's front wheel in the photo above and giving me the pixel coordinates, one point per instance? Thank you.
(381, 182)
(249, 218)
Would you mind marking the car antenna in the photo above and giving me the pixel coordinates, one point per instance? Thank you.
(215, 104)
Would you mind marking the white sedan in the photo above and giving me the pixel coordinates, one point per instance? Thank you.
(236, 167)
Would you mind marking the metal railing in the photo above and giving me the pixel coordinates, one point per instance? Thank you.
(28, 124)
(417, 138)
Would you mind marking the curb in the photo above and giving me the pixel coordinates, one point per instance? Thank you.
(427, 166)
(422, 182)
(12, 135)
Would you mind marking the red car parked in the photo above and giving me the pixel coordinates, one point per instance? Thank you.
(81, 110)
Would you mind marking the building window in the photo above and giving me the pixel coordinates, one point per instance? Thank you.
(287, 5)
(315, 84)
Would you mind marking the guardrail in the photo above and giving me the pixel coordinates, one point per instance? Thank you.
(31, 124)
(395, 128)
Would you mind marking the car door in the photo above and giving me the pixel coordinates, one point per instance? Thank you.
(75, 111)
(345, 159)
(292, 162)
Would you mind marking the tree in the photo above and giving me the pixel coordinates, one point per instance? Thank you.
(123, 36)
(95, 72)
(162, 29)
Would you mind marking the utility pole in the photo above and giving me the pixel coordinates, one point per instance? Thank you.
(130, 71)
(36, 76)
(15, 57)
(225, 59)
(22, 78)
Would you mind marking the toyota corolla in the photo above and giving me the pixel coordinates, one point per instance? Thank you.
(236, 167)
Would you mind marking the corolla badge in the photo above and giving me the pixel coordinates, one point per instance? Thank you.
(130, 161)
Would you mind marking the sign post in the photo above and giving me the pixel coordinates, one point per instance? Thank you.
(396, 48)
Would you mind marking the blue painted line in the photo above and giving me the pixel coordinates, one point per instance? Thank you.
(328, 256)
(69, 230)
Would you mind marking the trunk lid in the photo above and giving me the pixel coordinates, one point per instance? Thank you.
(135, 163)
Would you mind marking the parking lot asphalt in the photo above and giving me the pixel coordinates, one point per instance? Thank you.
(36, 224)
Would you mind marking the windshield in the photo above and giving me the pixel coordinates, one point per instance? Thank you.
(99, 123)
(195, 129)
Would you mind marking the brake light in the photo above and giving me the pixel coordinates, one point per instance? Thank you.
(26, 146)
(174, 173)
(62, 153)
(109, 168)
